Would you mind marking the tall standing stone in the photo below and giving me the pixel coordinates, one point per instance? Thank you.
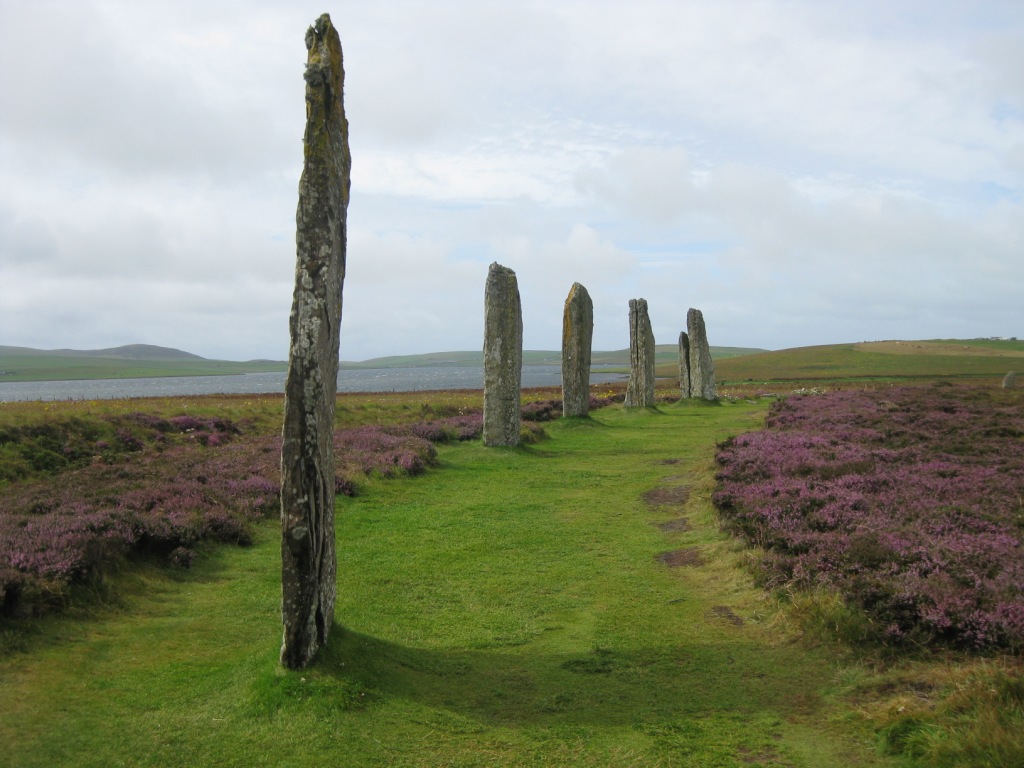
(684, 365)
(702, 369)
(308, 563)
(503, 356)
(1010, 380)
(577, 334)
(640, 389)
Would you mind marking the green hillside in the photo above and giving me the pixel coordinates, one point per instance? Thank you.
(880, 360)
(664, 353)
(129, 362)
(890, 360)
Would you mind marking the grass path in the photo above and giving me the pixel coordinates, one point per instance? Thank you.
(508, 609)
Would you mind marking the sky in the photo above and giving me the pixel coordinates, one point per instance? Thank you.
(802, 172)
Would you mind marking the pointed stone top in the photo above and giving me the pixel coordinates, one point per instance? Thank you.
(324, 66)
(323, 43)
(321, 29)
(577, 290)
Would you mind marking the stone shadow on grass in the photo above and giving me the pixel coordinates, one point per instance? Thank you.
(577, 422)
(535, 451)
(732, 679)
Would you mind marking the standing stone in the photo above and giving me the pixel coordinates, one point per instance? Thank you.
(684, 365)
(1010, 380)
(702, 369)
(577, 333)
(503, 356)
(640, 389)
(308, 563)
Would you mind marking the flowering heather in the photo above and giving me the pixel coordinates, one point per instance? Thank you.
(906, 500)
(141, 484)
(374, 449)
(466, 426)
(60, 530)
(36, 450)
(81, 492)
(541, 410)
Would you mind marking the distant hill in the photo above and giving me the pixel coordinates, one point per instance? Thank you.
(130, 361)
(127, 352)
(865, 361)
(475, 358)
(878, 360)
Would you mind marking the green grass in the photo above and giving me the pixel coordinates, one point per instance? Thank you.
(65, 368)
(881, 361)
(506, 609)
(1000, 345)
(257, 412)
(850, 363)
(664, 353)
(22, 364)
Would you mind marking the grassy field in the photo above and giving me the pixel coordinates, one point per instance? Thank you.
(875, 361)
(63, 368)
(865, 361)
(22, 364)
(664, 353)
(567, 603)
(571, 602)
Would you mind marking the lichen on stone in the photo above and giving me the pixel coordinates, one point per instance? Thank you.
(308, 562)
(503, 357)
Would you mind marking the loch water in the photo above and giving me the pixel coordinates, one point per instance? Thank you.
(352, 380)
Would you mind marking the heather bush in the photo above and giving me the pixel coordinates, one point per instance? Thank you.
(908, 502)
(464, 426)
(541, 410)
(375, 449)
(81, 493)
(469, 426)
(60, 531)
(38, 450)
(160, 486)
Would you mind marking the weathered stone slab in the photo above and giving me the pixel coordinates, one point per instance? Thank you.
(640, 389)
(1010, 380)
(577, 335)
(702, 369)
(503, 357)
(308, 563)
(684, 365)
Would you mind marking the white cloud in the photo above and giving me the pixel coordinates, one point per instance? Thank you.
(649, 183)
(803, 172)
